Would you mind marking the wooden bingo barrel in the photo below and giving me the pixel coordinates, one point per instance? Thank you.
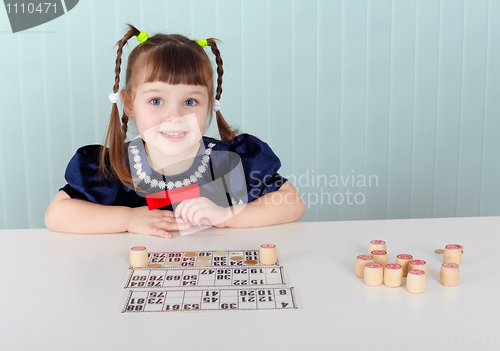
(393, 275)
(404, 261)
(373, 274)
(418, 264)
(415, 282)
(453, 253)
(268, 254)
(361, 262)
(380, 256)
(138, 257)
(450, 274)
(377, 245)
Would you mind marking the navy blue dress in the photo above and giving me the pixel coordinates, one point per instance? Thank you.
(226, 173)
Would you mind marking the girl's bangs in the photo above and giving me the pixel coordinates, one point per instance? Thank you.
(171, 65)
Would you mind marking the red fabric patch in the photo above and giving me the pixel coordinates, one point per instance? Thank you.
(168, 197)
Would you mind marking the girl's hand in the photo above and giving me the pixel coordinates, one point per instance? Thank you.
(154, 222)
(202, 211)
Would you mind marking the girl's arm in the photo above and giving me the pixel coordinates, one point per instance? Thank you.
(282, 206)
(82, 217)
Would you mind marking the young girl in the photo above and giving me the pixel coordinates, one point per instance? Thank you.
(171, 177)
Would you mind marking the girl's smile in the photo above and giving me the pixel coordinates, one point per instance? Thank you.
(175, 135)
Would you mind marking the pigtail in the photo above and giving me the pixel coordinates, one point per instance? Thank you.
(117, 131)
(226, 132)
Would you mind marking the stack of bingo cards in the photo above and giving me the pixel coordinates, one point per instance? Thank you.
(375, 269)
(237, 280)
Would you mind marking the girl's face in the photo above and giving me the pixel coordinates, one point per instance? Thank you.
(171, 119)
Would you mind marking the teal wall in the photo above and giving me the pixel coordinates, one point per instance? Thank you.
(392, 106)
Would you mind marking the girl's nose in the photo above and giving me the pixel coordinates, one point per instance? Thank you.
(173, 119)
(173, 115)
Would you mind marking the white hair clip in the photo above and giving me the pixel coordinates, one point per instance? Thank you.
(114, 97)
(217, 105)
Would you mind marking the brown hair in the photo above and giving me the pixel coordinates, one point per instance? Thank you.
(172, 59)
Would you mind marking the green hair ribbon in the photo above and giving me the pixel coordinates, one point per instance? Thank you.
(202, 42)
(142, 37)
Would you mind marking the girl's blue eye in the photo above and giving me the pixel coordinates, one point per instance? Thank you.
(156, 101)
(190, 102)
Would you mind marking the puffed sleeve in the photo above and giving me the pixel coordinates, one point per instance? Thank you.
(260, 165)
(85, 182)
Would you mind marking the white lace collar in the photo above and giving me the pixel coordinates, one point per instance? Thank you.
(141, 171)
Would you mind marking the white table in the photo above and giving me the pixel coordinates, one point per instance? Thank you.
(61, 291)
